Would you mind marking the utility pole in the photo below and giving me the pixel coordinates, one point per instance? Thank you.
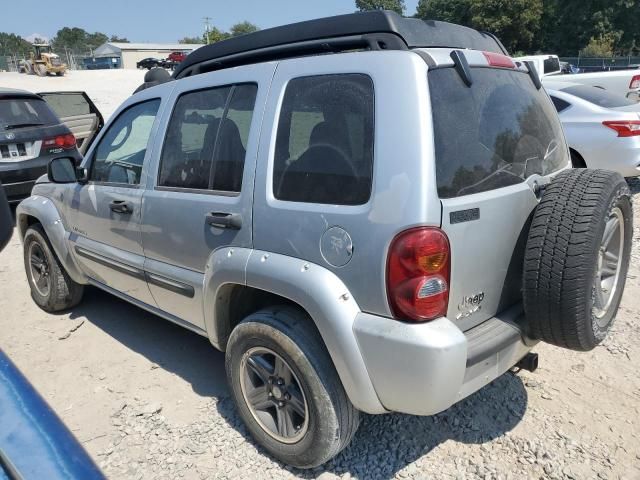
(207, 28)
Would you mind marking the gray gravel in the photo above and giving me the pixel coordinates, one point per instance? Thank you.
(148, 400)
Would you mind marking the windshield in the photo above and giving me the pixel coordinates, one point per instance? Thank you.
(599, 96)
(25, 112)
(496, 133)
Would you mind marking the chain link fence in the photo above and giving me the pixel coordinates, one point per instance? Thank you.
(588, 64)
(10, 62)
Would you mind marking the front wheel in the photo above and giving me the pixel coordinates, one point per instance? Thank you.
(51, 287)
(286, 388)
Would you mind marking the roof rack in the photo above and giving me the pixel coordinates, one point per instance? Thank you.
(374, 30)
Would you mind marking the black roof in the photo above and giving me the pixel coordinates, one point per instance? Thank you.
(375, 30)
(11, 93)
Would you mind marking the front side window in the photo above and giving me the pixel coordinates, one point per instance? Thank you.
(206, 140)
(119, 156)
(324, 145)
(495, 133)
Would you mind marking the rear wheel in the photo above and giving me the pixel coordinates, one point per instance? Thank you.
(40, 69)
(286, 388)
(577, 258)
(51, 287)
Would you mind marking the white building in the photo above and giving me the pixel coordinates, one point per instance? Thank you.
(131, 53)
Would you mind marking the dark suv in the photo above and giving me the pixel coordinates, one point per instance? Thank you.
(31, 134)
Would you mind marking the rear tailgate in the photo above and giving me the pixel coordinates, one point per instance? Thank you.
(495, 140)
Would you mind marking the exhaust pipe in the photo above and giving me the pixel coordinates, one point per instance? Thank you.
(529, 362)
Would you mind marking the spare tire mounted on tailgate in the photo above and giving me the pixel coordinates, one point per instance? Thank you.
(577, 258)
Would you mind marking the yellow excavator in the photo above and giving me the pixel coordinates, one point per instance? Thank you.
(42, 61)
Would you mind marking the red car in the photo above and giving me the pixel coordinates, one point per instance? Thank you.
(177, 57)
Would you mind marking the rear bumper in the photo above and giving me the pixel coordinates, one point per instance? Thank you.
(18, 178)
(423, 369)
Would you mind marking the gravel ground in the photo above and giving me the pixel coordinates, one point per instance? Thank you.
(149, 401)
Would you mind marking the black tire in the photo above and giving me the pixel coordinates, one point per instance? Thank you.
(563, 254)
(332, 419)
(62, 293)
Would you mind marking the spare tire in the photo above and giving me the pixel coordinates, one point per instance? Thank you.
(577, 258)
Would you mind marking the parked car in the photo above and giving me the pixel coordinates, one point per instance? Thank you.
(601, 128)
(324, 242)
(177, 57)
(149, 63)
(36, 128)
(620, 82)
(546, 65)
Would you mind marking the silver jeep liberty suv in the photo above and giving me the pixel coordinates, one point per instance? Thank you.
(367, 213)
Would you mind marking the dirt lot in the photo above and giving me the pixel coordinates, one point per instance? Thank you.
(148, 399)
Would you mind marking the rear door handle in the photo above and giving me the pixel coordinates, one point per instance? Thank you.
(232, 221)
(121, 206)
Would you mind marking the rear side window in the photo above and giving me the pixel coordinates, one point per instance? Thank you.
(551, 65)
(24, 112)
(206, 140)
(560, 104)
(599, 96)
(496, 133)
(68, 104)
(324, 145)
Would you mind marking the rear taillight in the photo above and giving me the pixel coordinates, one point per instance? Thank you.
(635, 82)
(498, 60)
(61, 141)
(418, 271)
(625, 128)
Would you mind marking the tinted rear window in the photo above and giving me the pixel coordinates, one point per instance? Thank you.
(496, 133)
(551, 65)
(324, 147)
(25, 111)
(599, 96)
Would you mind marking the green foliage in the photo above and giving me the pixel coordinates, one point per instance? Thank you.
(514, 22)
(117, 39)
(14, 44)
(394, 5)
(77, 40)
(599, 47)
(191, 40)
(564, 27)
(454, 11)
(243, 28)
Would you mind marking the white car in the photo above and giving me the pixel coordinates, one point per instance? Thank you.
(602, 128)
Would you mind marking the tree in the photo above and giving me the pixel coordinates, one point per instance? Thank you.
(11, 44)
(454, 11)
(216, 35)
(599, 47)
(191, 40)
(514, 22)
(397, 6)
(243, 28)
(116, 38)
(77, 40)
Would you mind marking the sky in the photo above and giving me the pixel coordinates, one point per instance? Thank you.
(160, 20)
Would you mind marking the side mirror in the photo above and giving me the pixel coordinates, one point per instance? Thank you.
(62, 170)
(6, 221)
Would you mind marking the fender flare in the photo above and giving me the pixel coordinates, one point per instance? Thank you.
(45, 211)
(319, 291)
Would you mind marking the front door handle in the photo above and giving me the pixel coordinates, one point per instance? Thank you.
(121, 206)
(232, 221)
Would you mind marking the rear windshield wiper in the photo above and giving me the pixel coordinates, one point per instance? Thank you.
(22, 125)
